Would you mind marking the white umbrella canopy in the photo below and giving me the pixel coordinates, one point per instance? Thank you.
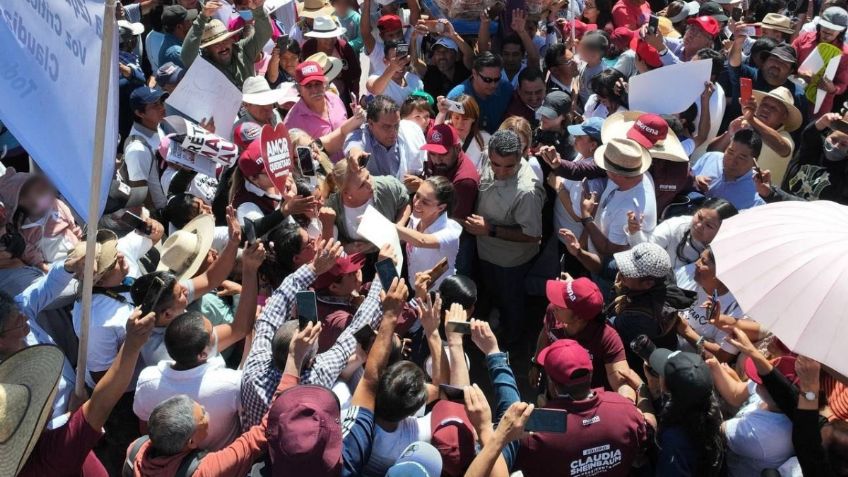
(787, 265)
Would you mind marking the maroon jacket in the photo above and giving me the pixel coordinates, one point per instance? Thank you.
(518, 108)
(466, 181)
(348, 81)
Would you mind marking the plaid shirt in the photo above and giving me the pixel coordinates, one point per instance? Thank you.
(260, 377)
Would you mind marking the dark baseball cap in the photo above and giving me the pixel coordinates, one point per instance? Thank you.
(173, 15)
(784, 52)
(144, 95)
(714, 10)
(687, 376)
(169, 73)
(556, 103)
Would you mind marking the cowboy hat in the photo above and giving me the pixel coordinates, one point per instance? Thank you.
(215, 32)
(28, 381)
(314, 8)
(186, 249)
(778, 22)
(323, 26)
(105, 252)
(618, 124)
(782, 94)
(256, 90)
(331, 65)
(624, 157)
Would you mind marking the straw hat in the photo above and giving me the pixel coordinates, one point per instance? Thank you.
(618, 125)
(256, 90)
(782, 94)
(667, 28)
(331, 65)
(314, 8)
(28, 381)
(215, 32)
(323, 26)
(186, 249)
(624, 157)
(105, 252)
(776, 21)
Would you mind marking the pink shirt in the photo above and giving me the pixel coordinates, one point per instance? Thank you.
(316, 125)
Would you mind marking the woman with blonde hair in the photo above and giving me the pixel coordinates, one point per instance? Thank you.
(474, 140)
(522, 128)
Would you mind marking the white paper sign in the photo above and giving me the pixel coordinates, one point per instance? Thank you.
(380, 231)
(670, 89)
(812, 63)
(272, 5)
(829, 73)
(195, 162)
(205, 92)
(202, 142)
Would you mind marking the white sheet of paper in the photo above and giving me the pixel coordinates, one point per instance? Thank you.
(205, 92)
(272, 5)
(195, 162)
(813, 62)
(829, 73)
(380, 231)
(670, 89)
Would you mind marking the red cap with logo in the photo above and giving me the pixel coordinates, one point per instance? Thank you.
(343, 266)
(648, 130)
(440, 138)
(621, 37)
(566, 362)
(453, 436)
(388, 23)
(309, 71)
(250, 162)
(582, 296)
(784, 364)
(706, 23)
(580, 28)
(645, 52)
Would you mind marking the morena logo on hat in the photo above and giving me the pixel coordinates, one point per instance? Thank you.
(310, 70)
(645, 128)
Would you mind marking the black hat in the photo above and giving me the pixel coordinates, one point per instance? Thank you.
(687, 376)
(784, 52)
(714, 10)
(557, 103)
(173, 15)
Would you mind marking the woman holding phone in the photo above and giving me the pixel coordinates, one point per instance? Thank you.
(474, 141)
(431, 235)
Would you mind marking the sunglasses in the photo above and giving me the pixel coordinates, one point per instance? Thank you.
(489, 80)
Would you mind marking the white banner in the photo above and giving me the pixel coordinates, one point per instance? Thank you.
(203, 93)
(670, 89)
(49, 61)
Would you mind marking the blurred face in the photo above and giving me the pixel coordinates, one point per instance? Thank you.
(443, 163)
(705, 225)
(623, 182)
(263, 114)
(705, 273)
(396, 35)
(420, 117)
(326, 45)
(347, 284)
(585, 145)
(772, 112)
(462, 124)
(444, 58)
(512, 56)
(263, 182)
(552, 124)
(178, 306)
(358, 189)
(485, 82)
(389, 59)
(425, 206)
(201, 431)
(696, 38)
(590, 11)
(636, 283)
(532, 93)
(773, 34)
(222, 52)
(826, 35)
(313, 93)
(775, 71)
(385, 129)
(503, 167)
(571, 324)
(289, 61)
(738, 160)
(38, 197)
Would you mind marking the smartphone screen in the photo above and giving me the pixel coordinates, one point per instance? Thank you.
(438, 270)
(157, 287)
(452, 393)
(387, 272)
(402, 50)
(455, 106)
(653, 24)
(363, 160)
(304, 159)
(365, 337)
(249, 231)
(547, 420)
(745, 89)
(281, 42)
(307, 309)
(135, 222)
(246, 15)
(757, 169)
(461, 327)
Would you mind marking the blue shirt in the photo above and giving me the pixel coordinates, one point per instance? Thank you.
(357, 437)
(171, 50)
(492, 108)
(740, 192)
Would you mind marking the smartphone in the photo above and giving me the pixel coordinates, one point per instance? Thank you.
(363, 159)
(245, 15)
(636, 209)
(452, 393)
(757, 170)
(249, 231)
(653, 24)
(736, 14)
(136, 222)
(387, 272)
(455, 106)
(402, 50)
(584, 185)
(496, 9)
(562, 264)
(749, 30)
(745, 89)
(438, 270)
(461, 327)
(304, 159)
(547, 420)
(157, 287)
(839, 125)
(307, 309)
(365, 336)
(712, 305)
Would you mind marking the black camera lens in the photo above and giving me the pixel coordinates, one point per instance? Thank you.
(643, 347)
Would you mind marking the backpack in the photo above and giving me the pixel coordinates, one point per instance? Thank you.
(188, 466)
(123, 193)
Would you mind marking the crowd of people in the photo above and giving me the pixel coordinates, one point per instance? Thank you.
(553, 307)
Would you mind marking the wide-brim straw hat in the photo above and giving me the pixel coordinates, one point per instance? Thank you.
(185, 250)
(782, 94)
(624, 157)
(618, 124)
(314, 8)
(215, 32)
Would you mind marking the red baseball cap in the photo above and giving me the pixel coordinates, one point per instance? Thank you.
(245, 133)
(566, 362)
(389, 23)
(453, 436)
(580, 28)
(707, 23)
(250, 162)
(621, 37)
(648, 130)
(440, 138)
(645, 52)
(343, 266)
(784, 364)
(309, 71)
(581, 296)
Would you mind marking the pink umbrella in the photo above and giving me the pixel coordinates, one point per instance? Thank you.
(787, 265)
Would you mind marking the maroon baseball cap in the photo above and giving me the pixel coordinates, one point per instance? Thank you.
(245, 133)
(309, 71)
(621, 37)
(784, 364)
(581, 296)
(453, 436)
(440, 138)
(706, 23)
(566, 362)
(343, 266)
(580, 28)
(645, 52)
(332, 327)
(648, 130)
(304, 432)
(250, 162)
(389, 23)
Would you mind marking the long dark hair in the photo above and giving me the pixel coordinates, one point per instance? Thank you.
(702, 424)
(723, 208)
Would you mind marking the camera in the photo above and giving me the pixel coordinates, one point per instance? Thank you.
(643, 347)
(13, 243)
(545, 138)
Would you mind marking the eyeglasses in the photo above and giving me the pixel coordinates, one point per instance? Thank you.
(489, 80)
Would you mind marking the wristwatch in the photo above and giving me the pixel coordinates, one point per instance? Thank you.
(586, 220)
(493, 231)
(810, 396)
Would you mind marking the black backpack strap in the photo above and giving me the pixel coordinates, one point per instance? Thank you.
(113, 293)
(135, 448)
(190, 463)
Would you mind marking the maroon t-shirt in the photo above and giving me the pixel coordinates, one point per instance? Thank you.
(600, 340)
(604, 435)
(66, 451)
(466, 181)
(670, 180)
(518, 108)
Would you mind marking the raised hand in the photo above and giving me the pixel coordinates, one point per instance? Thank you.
(326, 254)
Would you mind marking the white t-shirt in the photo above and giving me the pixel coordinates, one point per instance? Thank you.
(562, 219)
(397, 92)
(478, 154)
(447, 232)
(352, 215)
(212, 385)
(141, 163)
(388, 446)
(668, 235)
(614, 204)
(696, 315)
(375, 59)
